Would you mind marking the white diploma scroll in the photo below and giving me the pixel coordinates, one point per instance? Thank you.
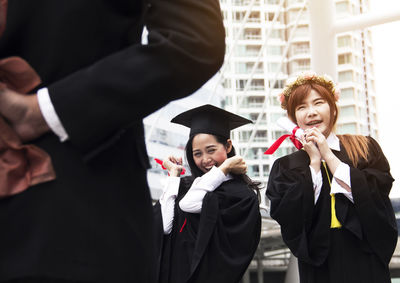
(286, 124)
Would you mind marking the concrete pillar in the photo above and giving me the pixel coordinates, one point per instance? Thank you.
(323, 39)
(260, 270)
(292, 273)
(246, 276)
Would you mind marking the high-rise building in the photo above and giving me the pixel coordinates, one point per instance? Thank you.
(268, 41)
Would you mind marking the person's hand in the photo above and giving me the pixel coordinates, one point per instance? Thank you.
(23, 114)
(310, 146)
(234, 164)
(173, 165)
(315, 135)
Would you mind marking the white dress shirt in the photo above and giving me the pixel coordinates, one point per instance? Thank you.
(342, 173)
(50, 115)
(193, 200)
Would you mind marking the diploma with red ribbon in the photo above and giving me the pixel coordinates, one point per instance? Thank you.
(159, 161)
(295, 135)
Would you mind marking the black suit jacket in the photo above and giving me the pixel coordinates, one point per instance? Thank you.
(94, 221)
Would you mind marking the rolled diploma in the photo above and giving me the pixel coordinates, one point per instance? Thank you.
(286, 124)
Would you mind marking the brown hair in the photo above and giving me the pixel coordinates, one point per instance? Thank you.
(356, 146)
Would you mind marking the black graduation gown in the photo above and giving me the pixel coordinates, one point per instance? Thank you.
(216, 245)
(94, 222)
(360, 251)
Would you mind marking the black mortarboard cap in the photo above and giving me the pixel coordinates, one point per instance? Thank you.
(208, 119)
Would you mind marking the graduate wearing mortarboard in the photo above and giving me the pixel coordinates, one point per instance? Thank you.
(209, 223)
(332, 198)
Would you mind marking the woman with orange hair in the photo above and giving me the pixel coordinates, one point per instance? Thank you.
(332, 197)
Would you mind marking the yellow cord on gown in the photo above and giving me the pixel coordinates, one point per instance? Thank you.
(334, 221)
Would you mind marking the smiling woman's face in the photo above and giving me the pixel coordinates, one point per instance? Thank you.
(314, 111)
(208, 152)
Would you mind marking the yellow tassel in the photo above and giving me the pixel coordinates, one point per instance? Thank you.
(334, 221)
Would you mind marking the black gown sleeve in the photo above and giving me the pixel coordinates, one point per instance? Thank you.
(371, 183)
(304, 226)
(223, 252)
(185, 49)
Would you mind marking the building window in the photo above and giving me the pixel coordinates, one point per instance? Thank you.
(373, 101)
(346, 76)
(301, 65)
(254, 17)
(357, 61)
(350, 128)
(244, 136)
(256, 153)
(227, 101)
(255, 84)
(276, 33)
(364, 130)
(247, 67)
(301, 48)
(254, 101)
(344, 59)
(254, 171)
(344, 41)
(301, 31)
(252, 33)
(251, 50)
(363, 114)
(347, 111)
(278, 84)
(274, 50)
(269, 16)
(260, 136)
(291, 2)
(266, 170)
(347, 93)
(254, 116)
(342, 9)
(293, 14)
(273, 67)
(238, 16)
(276, 116)
(274, 101)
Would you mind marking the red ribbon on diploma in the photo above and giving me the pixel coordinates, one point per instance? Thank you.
(159, 161)
(278, 142)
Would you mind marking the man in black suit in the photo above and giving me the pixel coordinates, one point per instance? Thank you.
(93, 222)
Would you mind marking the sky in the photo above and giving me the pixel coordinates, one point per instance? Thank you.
(386, 48)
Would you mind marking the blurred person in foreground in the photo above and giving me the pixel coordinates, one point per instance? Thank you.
(93, 222)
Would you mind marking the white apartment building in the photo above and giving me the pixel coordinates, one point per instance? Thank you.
(268, 41)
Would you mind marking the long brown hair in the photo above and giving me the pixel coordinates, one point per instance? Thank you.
(356, 146)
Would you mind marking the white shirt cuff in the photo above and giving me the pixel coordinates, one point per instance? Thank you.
(193, 200)
(167, 202)
(212, 179)
(50, 115)
(171, 187)
(342, 173)
(317, 183)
